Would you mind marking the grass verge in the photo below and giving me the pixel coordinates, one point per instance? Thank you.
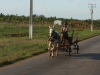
(14, 49)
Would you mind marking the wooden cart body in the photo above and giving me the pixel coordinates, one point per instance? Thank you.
(68, 43)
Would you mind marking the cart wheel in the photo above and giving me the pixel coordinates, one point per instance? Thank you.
(66, 49)
(70, 51)
(77, 48)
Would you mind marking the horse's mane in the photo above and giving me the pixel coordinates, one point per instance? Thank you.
(56, 35)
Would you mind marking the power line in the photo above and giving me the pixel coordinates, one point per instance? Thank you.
(45, 7)
(25, 6)
(17, 6)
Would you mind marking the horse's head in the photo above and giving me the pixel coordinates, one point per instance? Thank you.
(51, 31)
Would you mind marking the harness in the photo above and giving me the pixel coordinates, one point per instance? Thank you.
(54, 36)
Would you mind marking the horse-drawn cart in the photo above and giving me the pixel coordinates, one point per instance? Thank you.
(54, 43)
(70, 42)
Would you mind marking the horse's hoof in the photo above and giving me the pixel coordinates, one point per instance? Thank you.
(52, 56)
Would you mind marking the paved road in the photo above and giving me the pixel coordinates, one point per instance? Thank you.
(87, 62)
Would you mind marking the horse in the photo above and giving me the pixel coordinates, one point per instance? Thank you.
(53, 41)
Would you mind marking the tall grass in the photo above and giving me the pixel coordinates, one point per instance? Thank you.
(13, 49)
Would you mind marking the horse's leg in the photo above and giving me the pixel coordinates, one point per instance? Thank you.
(57, 52)
(57, 49)
(49, 49)
(53, 51)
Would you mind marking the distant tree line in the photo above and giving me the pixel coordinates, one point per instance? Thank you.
(41, 19)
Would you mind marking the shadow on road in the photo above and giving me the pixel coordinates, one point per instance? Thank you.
(94, 56)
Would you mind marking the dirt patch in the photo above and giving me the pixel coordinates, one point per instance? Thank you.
(17, 35)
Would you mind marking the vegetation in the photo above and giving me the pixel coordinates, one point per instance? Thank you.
(41, 19)
(14, 42)
(14, 48)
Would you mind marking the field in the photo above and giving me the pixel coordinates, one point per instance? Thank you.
(15, 44)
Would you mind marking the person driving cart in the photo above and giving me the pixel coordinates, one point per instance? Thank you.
(64, 32)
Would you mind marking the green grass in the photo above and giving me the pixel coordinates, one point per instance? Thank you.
(85, 34)
(13, 49)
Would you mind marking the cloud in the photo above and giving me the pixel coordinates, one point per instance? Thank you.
(76, 1)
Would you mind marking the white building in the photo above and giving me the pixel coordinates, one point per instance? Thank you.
(57, 22)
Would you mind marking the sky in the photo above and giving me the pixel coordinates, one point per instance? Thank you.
(77, 9)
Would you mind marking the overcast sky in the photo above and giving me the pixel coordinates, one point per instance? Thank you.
(77, 9)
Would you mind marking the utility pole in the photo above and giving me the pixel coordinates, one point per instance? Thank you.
(91, 11)
(31, 19)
